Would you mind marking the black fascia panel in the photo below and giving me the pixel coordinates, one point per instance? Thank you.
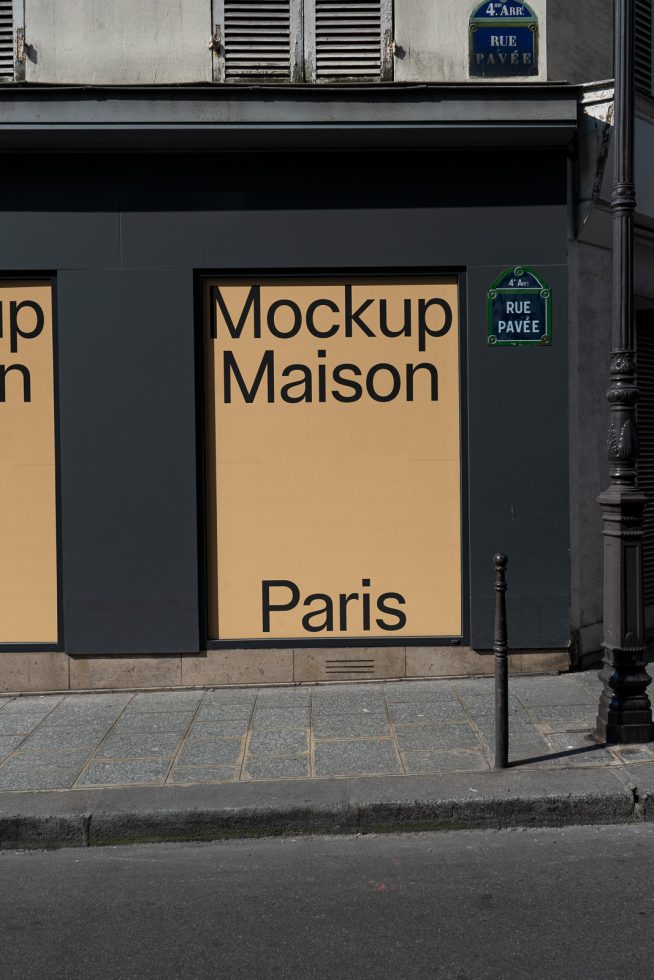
(227, 117)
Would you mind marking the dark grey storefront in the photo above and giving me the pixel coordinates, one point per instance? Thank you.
(127, 213)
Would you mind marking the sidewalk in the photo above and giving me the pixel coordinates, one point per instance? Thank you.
(199, 764)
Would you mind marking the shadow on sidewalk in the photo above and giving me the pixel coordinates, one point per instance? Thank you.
(599, 746)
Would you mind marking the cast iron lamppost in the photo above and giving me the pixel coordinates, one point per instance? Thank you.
(625, 712)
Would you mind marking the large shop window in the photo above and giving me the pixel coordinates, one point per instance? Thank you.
(333, 459)
(303, 40)
(28, 495)
(644, 44)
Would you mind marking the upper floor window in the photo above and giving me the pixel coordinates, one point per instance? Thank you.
(12, 40)
(644, 43)
(7, 41)
(304, 40)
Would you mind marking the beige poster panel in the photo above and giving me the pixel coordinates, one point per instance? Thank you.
(28, 513)
(333, 459)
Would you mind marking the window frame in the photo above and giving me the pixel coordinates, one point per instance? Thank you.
(302, 65)
(18, 43)
(639, 32)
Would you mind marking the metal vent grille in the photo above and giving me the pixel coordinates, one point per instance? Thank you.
(348, 39)
(6, 39)
(645, 342)
(643, 53)
(257, 39)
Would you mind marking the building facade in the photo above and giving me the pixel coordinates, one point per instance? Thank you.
(305, 314)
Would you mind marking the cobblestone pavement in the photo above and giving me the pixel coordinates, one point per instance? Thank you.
(78, 741)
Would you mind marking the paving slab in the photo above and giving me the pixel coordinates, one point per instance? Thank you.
(56, 738)
(478, 703)
(154, 721)
(354, 758)
(578, 749)
(542, 760)
(235, 695)
(278, 743)
(206, 751)
(18, 723)
(14, 777)
(628, 754)
(279, 697)
(98, 702)
(523, 745)
(42, 703)
(166, 700)
(71, 721)
(291, 767)
(590, 681)
(119, 773)
(566, 717)
(236, 710)
(139, 746)
(328, 707)
(543, 693)
(351, 726)
(348, 691)
(99, 697)
(280, 719)
(435, 737)
(9, 742)
(454, 760)
(219, 727)
(419, 691)
(475, 685)
(53, 759)
(365, 690)
(430, 711)
(183, 775)
(518, 725)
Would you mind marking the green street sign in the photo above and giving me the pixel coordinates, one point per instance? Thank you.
(519, 310)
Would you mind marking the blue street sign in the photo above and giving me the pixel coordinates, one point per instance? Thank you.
(503, 40)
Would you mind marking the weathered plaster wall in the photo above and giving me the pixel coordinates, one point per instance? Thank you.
(92, 42)
(579, 40)
(167, 41)
(433, 38)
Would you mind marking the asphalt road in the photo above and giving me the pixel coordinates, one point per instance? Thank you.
(512, 904)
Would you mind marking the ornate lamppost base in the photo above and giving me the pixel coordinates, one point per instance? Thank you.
(625, 712)
(623, 723)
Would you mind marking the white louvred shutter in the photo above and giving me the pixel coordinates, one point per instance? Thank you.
(644, 42)
(257, 40)
(349, 39)
(303, 40)
(6, 39)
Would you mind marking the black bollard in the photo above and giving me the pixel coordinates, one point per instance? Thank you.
(501, 666)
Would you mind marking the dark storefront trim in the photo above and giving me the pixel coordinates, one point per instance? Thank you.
(126, 231)
(282, 117)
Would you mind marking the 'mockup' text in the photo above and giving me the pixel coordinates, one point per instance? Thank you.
(423, 319)
(19, 326)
